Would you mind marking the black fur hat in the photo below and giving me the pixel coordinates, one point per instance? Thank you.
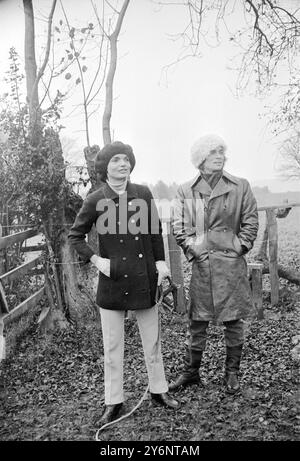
(107, 152)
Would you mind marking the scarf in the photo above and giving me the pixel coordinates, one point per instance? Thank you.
(118, 187)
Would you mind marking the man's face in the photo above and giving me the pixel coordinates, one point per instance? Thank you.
(215, 160)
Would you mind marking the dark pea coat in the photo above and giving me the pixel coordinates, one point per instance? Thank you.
(130, 236)
(216, 228)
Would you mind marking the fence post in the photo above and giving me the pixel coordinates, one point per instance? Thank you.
(176, 268)
(273, 252)
(256, 282)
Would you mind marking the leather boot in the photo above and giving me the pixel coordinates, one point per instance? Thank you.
(190, 373)
(110, 413)
(232, 366)
(165, 400)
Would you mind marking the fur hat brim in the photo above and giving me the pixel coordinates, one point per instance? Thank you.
(203, 146)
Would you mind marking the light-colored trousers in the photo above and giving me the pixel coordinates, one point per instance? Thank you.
(112, 323)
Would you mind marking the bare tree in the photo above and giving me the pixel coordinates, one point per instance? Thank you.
(102, 35)
(267, 34)
(57, 201)
(289, 152)
(113, 39)
(33, 76)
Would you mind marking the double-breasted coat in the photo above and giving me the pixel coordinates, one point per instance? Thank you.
(211, 226)
(130, 236)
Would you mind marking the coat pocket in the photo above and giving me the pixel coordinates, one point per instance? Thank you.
(237, 245)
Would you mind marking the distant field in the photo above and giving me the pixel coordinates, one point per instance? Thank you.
(288, 238)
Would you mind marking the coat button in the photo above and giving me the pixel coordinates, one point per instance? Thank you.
(121, 240)
(129, 203)
(125, 275)
(117, 204)
(140, 255)
(126, 293)
(124, 258)
(136, 238)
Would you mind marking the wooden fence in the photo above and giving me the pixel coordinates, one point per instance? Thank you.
(272, 226)
(255, 269)
(175, 261)
(6, 314)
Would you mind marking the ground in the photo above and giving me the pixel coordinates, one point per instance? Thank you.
(51, 388)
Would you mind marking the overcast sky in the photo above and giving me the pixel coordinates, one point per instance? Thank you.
(159, 117)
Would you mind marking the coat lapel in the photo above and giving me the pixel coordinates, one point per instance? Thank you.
(226, 183)
(222, 187)
(203, 187)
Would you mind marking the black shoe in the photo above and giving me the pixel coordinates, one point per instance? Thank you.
(185, 379)
(110, 413)
(165, 400)
(231, 382)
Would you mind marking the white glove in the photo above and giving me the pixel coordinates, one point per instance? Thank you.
(163, 271)
(102, 264)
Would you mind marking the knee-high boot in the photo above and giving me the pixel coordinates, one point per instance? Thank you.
(190, 374)
(232, 366)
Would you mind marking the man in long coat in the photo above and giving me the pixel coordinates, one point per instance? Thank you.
(215, 221)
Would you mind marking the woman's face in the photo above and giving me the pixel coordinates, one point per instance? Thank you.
(118, 167)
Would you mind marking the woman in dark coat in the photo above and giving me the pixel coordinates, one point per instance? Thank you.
(131, 265)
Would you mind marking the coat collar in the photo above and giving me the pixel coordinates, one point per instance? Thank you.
(224, 185)
(109, 193)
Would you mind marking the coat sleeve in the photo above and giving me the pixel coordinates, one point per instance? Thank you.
(249, 218)
(182, 225)
(83, 223)
(155, 228)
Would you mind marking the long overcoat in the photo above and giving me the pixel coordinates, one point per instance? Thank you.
(130, 236)
(211, 226)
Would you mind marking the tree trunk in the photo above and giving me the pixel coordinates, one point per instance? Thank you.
(113, 38)
(75, 301)
(35, 131)
(68, 297)
(30, 61)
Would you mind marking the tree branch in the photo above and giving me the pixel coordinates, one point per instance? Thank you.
(48, 46)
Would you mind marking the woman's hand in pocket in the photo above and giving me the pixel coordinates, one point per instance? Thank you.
(102, 264)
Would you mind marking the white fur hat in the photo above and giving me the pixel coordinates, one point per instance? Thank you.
(202, 147)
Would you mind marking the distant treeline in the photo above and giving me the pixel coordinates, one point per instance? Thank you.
(263, 195)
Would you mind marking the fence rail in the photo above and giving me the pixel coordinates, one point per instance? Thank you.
(23, 306)
(30, 267)
(17, 238)
(20, 270)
